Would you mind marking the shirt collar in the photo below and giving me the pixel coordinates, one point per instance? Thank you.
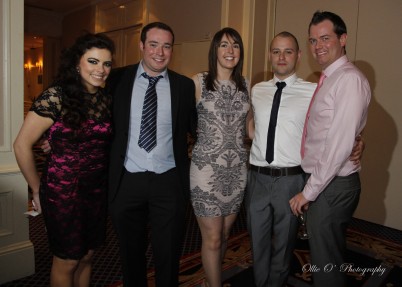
(141, 70)
(289, 80)
(335, 65)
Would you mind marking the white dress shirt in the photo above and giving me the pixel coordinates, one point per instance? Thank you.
(295, 100)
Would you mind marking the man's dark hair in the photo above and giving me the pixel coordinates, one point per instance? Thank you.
(158, 25)
(339, 24)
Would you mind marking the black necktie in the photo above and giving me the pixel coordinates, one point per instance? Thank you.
(269, 156)
(147, 139)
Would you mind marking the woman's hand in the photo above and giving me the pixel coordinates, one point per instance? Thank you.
(36, 202)
(45, 145)
(357, 151)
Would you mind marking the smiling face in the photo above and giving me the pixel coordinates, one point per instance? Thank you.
(94, 67)
(284, 55)
(228, 53)
(156, 51)
(325, 45)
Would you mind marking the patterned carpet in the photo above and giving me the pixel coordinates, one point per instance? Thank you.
(373, 262)
(370, 245)
(106, 265)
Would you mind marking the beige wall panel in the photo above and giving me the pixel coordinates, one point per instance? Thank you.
(184, 61)
(109, 15)
(235, 19)
(262, 23)
(191, 20)
(117, 38)
(378, 55)
(175, 61)
(131, 40)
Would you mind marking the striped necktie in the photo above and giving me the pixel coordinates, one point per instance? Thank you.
(147, 139)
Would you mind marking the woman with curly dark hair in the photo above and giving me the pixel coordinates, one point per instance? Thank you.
(74, 114)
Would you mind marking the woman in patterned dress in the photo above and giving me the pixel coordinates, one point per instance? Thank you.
(74, 115)
(218, 169)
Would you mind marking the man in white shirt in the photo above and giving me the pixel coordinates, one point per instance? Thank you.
(272, 185)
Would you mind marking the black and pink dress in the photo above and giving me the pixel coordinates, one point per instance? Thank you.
(74, 178)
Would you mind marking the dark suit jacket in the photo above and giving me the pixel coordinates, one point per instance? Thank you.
(184, 120)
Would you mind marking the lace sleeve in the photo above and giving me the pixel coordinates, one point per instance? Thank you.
(48, 104)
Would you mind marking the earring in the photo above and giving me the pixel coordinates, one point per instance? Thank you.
(78, 70)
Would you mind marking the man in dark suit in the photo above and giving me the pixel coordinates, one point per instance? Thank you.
(150, 184)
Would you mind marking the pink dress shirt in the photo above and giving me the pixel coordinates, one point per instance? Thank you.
(338, 114)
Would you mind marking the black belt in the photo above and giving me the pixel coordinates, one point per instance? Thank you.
(277, 171)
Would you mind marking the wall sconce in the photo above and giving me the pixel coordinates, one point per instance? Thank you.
(39, 65)
(28, 66)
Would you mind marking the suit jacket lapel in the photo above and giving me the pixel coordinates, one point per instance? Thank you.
(124, 95)
(174, 97)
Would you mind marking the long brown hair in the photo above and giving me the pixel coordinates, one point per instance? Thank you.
(237, 75)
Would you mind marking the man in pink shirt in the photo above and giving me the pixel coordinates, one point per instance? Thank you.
(338, 113)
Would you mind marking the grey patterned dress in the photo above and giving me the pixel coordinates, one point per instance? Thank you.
(218, 171)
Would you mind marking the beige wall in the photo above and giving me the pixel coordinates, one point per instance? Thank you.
(191, 20)
(374, 44)
(378, 54)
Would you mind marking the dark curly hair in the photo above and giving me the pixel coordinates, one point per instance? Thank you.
(74, 109)
(213, 60)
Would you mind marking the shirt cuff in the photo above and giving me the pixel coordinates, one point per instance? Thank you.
(309, 194)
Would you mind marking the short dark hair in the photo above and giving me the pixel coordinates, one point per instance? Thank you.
(339, 24)
(158, 25)
(286, 34)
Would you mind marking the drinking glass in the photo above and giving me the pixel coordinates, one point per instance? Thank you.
(303, 228)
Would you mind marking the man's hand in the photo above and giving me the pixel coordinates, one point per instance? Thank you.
(45, 146)
(357, 151)
(298, 204)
